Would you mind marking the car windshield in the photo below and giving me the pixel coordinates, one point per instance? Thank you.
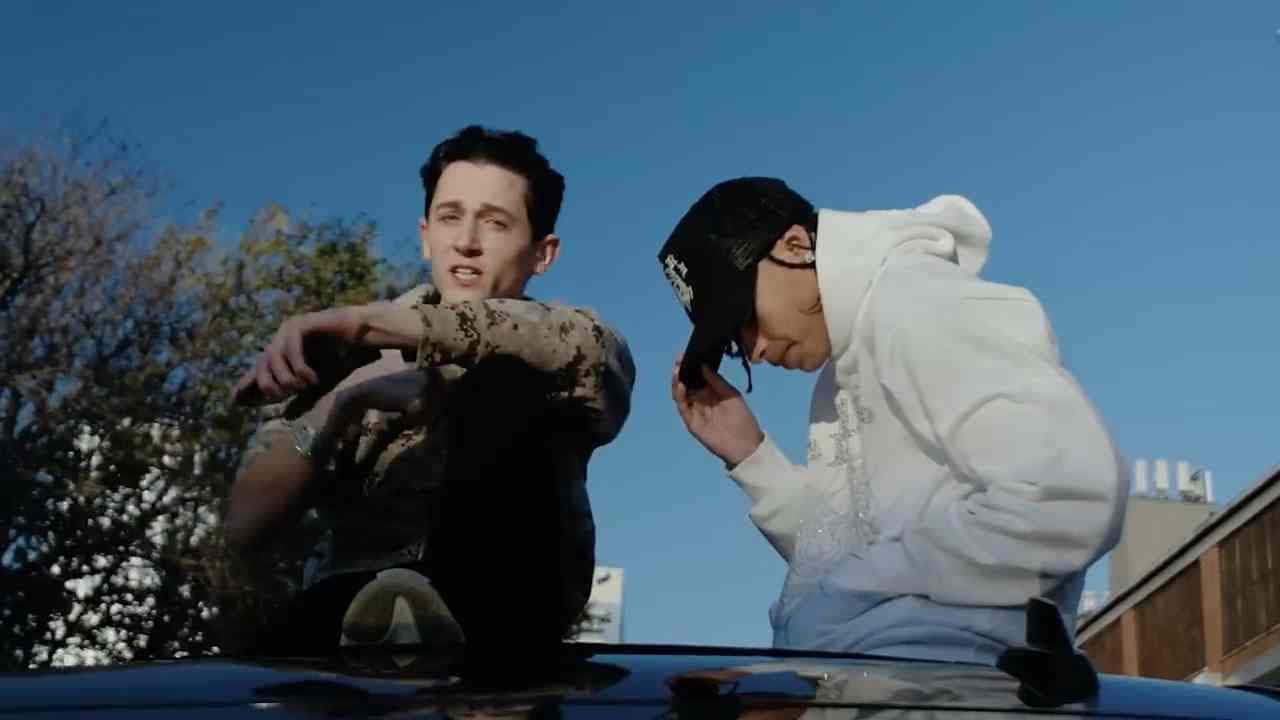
(860, 329)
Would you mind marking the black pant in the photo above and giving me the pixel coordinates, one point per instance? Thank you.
(312, 623)
(496, 552)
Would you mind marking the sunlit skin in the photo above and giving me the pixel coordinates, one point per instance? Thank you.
(479, 240)
(789, 329)
(478, 237)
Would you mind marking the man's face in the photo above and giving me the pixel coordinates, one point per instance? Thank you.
(477, 234)
(789, 329)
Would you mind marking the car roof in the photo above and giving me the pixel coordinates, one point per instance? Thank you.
(592, 676)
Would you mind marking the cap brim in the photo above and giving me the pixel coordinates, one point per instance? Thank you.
(720, 322)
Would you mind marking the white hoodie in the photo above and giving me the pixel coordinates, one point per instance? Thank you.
(954, 467)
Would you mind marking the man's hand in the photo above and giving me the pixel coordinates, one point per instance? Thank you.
(283, 369)
(717, 416)
(402, 392)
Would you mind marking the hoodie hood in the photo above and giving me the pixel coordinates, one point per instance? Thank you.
(853, 246)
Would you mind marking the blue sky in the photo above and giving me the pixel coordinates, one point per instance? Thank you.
(1126, 155)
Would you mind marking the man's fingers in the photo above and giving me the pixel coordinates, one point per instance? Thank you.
(678, 391)
(297, 359)
(242, 385)
(281, 372)
(246, 391)
(266, 381)
(680, 394)
(684, 405)
(717, 382)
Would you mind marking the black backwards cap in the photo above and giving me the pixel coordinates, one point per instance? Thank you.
(711, 258)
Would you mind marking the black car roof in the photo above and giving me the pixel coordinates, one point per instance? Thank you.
(609, 678)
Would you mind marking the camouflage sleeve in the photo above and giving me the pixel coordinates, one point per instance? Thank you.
(591, 361)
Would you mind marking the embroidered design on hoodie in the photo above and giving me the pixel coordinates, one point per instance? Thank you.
(846, 525)
(852, 412)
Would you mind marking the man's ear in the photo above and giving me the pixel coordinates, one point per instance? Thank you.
(795, 246)
(546, 252)
(422, 238)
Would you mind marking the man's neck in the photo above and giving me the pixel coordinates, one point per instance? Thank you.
(441, 298)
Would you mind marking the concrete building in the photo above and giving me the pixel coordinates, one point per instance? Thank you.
(604, 609)
(1158, 520)
(1153, 527)
(1209, 609)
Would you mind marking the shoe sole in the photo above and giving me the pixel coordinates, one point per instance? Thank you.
(399, 607)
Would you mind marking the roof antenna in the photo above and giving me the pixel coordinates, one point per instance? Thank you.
(1050, 670)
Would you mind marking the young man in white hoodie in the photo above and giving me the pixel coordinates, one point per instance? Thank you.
(955, 469)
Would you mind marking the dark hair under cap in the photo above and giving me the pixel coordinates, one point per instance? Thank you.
(710, 260)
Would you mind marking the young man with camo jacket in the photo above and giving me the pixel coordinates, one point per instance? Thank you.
(461, 437)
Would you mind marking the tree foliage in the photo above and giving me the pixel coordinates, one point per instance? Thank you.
(122, 336)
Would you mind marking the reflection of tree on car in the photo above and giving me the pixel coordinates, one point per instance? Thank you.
(439, 684)
(877, 691)
(615, 682)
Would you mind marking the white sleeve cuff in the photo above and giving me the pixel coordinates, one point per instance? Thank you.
(765, 469)
(780, 494)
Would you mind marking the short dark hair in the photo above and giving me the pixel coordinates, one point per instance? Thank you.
(509, 150)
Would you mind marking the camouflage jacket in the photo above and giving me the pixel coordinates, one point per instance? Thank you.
(383, 488)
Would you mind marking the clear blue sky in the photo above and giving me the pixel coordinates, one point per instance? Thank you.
(1125, 153)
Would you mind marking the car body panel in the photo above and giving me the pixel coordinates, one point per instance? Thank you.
(617, 681)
